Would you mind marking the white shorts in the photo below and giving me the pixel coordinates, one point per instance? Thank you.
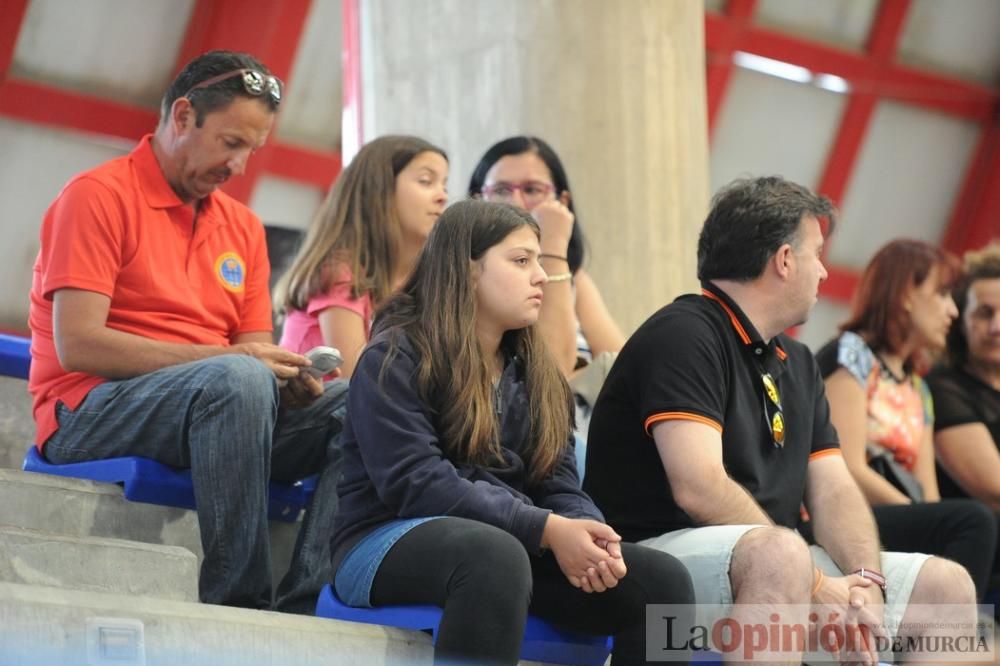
(707, 552)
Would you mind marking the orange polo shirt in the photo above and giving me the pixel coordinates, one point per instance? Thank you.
(120, 230)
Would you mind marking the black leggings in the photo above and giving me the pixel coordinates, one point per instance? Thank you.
(487, 583)
(961, 530)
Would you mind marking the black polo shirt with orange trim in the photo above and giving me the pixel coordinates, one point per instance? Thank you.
(700, 359)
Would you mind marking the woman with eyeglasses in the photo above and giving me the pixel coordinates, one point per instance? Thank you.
(458, 487)
(361, 245)
(526, 172)
(967, 388)
(884, 413)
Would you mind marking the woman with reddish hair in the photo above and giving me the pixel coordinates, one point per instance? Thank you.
(884, 413)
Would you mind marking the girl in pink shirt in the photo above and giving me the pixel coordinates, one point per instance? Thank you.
(362, 244)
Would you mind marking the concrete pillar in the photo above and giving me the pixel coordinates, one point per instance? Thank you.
(618, 89)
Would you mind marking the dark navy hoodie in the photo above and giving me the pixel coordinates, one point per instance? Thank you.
(394, 466)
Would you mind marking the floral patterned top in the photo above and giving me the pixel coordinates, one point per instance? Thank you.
(899, 411)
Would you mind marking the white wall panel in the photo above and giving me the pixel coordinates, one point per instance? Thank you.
(618, 88)
(312, 108)
(770, 126)
(905, 181)
(842, 22)
(37, 163)
(960, 37)
(120, 49)
(823, 322)
(285, 202)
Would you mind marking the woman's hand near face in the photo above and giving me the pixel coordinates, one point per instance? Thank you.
(556, 223)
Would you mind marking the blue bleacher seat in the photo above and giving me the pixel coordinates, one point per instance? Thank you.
(15, 356)
(707, 658)
(144, 480)
(542, 641)
(153, 482)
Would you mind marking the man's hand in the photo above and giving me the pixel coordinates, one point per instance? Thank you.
(856, 604)
(300, 391)
(575, 545)
(283, 363)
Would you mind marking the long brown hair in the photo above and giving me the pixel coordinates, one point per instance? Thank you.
(879, 311)
(437, 310)
(357, 227)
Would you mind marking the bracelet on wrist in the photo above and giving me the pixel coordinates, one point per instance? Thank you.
(546, 255)
(561, 277)
(874, 576)
(817, 581)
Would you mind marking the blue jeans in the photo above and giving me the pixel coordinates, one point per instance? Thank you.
(221, 417)
(356, 573)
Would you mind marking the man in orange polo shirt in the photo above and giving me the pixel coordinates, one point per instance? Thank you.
(151, 334)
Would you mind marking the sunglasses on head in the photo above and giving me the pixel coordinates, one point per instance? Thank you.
(255, 84)
(772, 410)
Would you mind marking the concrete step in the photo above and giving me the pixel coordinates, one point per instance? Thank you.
(97, 564)
(78, 508)
(43, 626)
(17, 427)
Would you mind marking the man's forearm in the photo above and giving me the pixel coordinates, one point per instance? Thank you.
(728, 503)
(114, 354)
(844, 526)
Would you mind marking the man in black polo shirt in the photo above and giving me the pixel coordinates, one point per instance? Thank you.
(712, 429)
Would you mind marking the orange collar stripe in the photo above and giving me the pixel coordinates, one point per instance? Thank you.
(736, 323)
(732, 316)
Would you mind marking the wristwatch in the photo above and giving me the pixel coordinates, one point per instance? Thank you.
(873, 576)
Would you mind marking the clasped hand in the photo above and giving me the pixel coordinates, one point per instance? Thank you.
(855, 605)
(588, 552)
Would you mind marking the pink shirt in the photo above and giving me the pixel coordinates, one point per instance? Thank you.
(301, 330)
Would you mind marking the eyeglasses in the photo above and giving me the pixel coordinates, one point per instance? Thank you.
(254, 83)
(772, 410)
(532, 191)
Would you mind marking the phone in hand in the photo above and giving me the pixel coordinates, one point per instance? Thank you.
(324, 361)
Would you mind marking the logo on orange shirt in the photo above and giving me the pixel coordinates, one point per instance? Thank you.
(231, 271)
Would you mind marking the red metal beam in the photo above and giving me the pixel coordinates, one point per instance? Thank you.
(839, 285)
(896, 81)
(843, 154)
(887, 28)
(275, 46)
(723, 37)
(938, 93)
(975, 219)
(881, 47)
(268, 30)
(11, 18)
(985, 225)
(196, 37)
(39, 104)
(882, 39)
(304, 165)
(352, 134)
(42, 104)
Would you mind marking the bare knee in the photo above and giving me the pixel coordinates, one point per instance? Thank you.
(942, 581)
(771, 563)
